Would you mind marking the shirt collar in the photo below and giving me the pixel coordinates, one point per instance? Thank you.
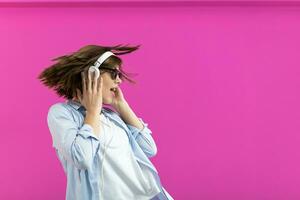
(74, 104)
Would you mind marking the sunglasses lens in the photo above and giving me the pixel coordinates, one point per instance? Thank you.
(113, 75)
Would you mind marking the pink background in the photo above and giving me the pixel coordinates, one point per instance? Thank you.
(218, 85)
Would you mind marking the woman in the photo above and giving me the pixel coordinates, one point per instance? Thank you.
(104, 151)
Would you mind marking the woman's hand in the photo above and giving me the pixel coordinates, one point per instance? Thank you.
(91, 97)
(118, 98)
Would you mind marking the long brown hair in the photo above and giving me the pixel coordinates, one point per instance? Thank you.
(64, 76)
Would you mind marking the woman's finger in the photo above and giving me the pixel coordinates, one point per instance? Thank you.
(99, 89)
(95, 82)
(89, 82)
(98, 83)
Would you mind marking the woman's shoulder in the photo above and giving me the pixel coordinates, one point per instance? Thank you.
(60, 107)
(64, 110)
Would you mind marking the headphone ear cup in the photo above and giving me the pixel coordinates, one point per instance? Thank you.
(95, 70)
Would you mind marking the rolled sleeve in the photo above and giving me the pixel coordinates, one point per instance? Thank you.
(136, 131)
(144, 138)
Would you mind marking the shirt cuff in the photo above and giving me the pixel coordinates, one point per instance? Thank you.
(144, 130)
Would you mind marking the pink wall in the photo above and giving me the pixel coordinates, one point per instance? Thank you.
(218, 86)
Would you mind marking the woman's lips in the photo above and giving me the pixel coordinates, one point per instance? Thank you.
(112, 91)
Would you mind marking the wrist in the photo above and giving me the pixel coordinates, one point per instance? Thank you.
(118, 106)
(92, 112)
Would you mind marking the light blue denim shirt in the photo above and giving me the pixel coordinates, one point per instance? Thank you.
(77, 148)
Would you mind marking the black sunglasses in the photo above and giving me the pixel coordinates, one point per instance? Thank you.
(113, 72)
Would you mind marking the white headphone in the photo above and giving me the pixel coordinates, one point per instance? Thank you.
(100, 60)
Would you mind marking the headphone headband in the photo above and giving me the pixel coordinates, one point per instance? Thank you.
(102, 58)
